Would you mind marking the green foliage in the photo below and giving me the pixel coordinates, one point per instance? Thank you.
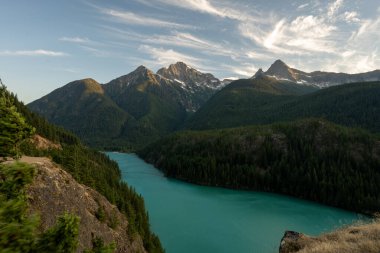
(310, 159)
(99, 247)
(62, 238)
(100, 214)
(356, 105)
(13, 128)
(113, 221)
(18, 230)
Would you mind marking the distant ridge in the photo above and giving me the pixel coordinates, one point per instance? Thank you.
(282, 71)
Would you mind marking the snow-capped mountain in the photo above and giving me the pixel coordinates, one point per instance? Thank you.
(282, 71)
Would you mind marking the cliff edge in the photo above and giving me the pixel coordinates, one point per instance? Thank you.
(54, 192)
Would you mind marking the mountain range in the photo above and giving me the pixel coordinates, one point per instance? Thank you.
(135, 108)
(281, 71)
(139, 108)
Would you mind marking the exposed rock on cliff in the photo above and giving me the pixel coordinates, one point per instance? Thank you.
(54, 192)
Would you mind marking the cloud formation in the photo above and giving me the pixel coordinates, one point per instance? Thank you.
(165, 57)
(135, 19)
(312, 32)
(75, 39)
(38, 52)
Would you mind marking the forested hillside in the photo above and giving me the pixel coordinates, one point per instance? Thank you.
(311, 159)
(129, 111)
(356, 105)
(90, 168)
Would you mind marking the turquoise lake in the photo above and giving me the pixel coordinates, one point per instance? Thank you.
(198, 219)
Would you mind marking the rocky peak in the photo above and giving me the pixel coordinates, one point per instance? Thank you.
(281, 71)
(188, 76)
(138, 76)
(142, 71)
(180, 66)
(259, 73)
(179, 71)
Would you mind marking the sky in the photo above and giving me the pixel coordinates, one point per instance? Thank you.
(45, 44)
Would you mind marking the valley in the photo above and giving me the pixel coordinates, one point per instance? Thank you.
(139, 108)
(153, 126)
(270, 134)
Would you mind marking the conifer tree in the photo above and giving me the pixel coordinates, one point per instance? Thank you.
(13, 127)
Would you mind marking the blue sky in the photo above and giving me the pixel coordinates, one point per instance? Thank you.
(46, 44)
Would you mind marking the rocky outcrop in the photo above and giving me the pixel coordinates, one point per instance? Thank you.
(358, 238)
(54, 192)
(292, 242)
(42, 143)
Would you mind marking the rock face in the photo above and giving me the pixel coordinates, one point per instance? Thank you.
(191, 77)
(54, 192)
(291, 242)
(44, 144)
(321, 79)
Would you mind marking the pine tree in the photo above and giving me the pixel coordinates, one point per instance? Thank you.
(13, 128)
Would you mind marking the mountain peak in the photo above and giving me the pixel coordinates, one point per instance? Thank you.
(87, 85)
(280, 70)
(142, 71)
(278, 65)
(259, 73)
(176, 68)
(141, 68)
(179, 64)
(279, 62)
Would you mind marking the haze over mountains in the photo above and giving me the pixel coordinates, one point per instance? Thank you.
(142, 106)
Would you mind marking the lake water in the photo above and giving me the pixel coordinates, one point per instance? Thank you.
(198, 219)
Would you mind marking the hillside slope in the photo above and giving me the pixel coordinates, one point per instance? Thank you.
(54, 192)
(244, 102)
(129, 111)
(311, 159)
(83, 103)
(87, 167)
(356, 105)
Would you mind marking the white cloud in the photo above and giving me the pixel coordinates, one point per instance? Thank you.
(361, 49)
(179, 39)
(39, 52)
(355, 62)
(132, 18)
(302, 6)
(258, 56)
(245, 70)
(303, 35)
(198, 5)
(369, 31)
(311, 26)
(165, 57)
(351, 17)
(275, 35)
(74, 39)
(333, 8)
(206, 6)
